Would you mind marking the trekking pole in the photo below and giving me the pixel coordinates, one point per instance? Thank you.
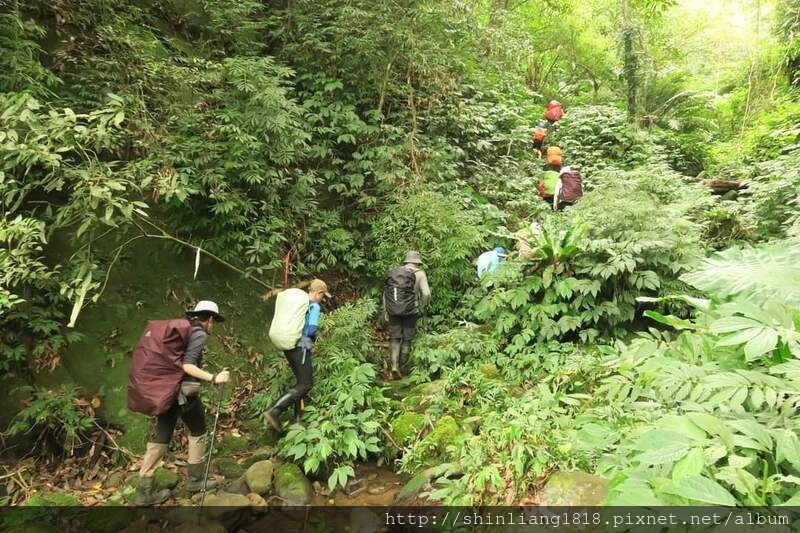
(210, 449)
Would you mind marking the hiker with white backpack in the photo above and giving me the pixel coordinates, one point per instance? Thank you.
(166, 372)
(294, 330)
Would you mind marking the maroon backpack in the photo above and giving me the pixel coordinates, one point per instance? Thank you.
(157, 366)
(571, 187)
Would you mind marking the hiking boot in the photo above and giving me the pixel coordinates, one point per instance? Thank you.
(273, 421)
(146, 493)
(194, 478)
(394, 353)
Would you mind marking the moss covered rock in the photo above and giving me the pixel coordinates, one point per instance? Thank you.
(228, 468)
(165, 479)
(53, 499)
(446, 433)
(406, 427)
(232, 445)
(292, 485)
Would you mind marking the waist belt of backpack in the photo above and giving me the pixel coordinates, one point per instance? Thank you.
(189, 389)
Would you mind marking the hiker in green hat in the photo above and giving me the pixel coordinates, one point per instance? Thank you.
(405, 291)
(187, 406)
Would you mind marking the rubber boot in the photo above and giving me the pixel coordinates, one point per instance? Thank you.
(273, 414)
(405, 350)
(394, 353)
(196, 467)
(145, 490)
(194, 478)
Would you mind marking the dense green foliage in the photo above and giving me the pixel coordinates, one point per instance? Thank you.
(341, 134)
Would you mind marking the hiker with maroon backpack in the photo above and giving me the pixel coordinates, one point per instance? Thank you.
(569, 189)
(405, 291)
(165, 377)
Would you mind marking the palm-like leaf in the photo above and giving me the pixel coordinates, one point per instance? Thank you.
(769, 272)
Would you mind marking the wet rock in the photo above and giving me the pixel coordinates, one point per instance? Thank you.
(574, 489)
(259, 477)
(406, 427)
(230, 510)
(110, 520)
(377, 489)
(257, 503)
(292, 486)
(238, 486)
(228, 468)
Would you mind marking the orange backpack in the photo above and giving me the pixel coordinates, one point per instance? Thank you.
(554, 155)
(539, 134)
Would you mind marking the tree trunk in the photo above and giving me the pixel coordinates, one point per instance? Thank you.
(630, 62)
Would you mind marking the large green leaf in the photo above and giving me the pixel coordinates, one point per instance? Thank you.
(764, 342)
(700, 489)
(770, 271)
(670, 320)
(691, 465)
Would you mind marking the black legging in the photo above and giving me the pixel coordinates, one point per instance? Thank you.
(303, 370)
(192, 413)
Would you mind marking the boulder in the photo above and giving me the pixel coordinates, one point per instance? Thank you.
(257, 503)
(230, 510)
(406, 427)
(228, 468)
(446, 433)
(292, 486)
(259, 477)
(232, 444)
(238, 486)
(568, 489)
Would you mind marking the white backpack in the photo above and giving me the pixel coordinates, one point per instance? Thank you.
(291, 307)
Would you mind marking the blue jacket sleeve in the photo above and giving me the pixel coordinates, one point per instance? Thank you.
(312, 322)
